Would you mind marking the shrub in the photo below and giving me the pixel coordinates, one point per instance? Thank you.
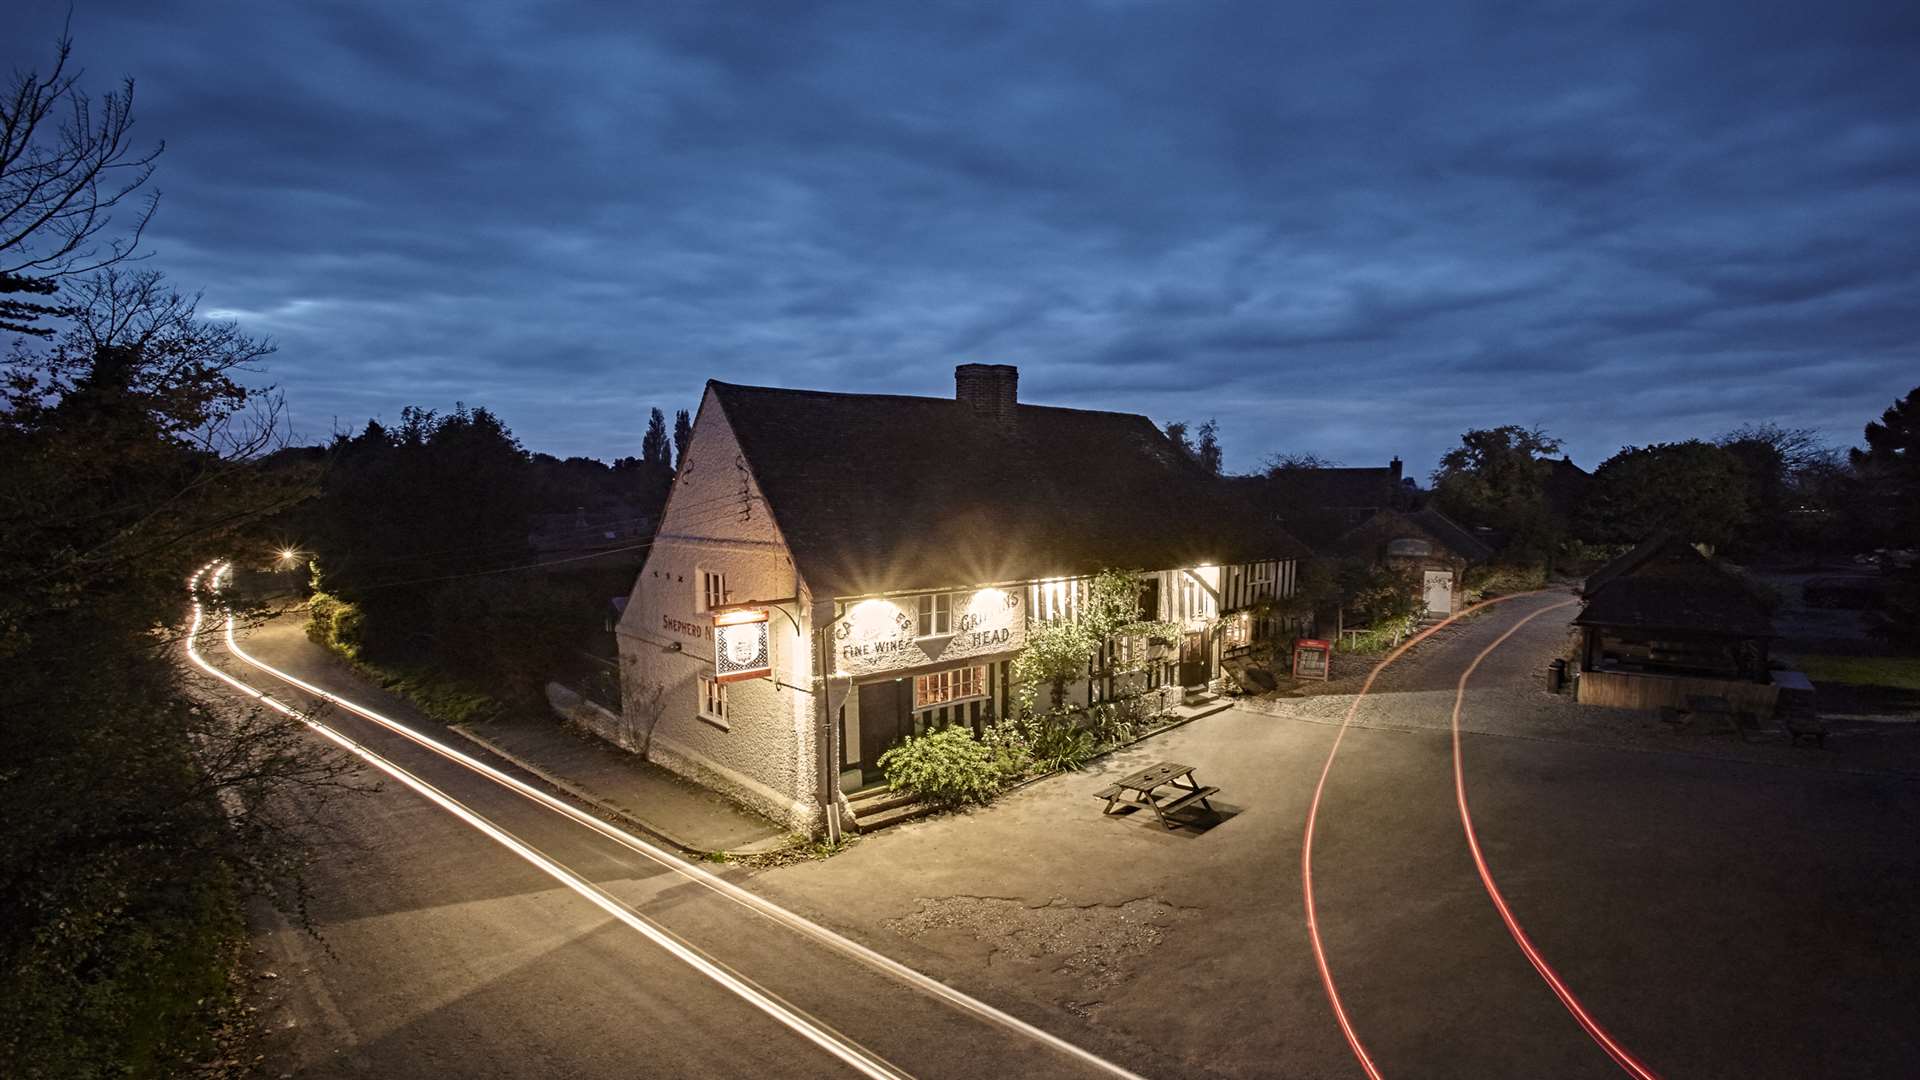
(1058, 741)
(1114, 723)
(336, 624)
(948, 767)
(1012, 754)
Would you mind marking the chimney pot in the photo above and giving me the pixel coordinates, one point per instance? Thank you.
(992, 390)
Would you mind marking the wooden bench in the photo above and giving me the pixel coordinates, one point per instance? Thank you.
(1184, 801)
(1111, 793)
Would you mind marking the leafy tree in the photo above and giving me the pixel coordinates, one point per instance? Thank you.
(1176, 432)
(682, 435)
(1888, 468)
(1285, 463)
(1496, 479)
(1693, 488)
(67, 162)
(655, 450)
(1781, 467)
(1888, 471)
(1199, 445)
(129, 809)
(1376, 594)
(1206, 447)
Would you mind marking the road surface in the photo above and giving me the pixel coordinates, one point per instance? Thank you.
(444, 952)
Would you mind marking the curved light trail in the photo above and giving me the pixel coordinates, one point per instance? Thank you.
(1621, 1055)
(760, 905)
(1313, 816)
(862, 1060)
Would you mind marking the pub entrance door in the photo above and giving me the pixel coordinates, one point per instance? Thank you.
(886, 717)
(1196, 660)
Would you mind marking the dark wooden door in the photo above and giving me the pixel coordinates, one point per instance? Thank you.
(886, 717)
(1195, 669)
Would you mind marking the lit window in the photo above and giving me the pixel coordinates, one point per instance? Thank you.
(713, 699)
(936, 614)
(713, 591)
(947, 687)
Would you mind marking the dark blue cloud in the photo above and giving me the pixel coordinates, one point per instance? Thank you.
(1354, 232)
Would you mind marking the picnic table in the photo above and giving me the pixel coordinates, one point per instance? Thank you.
(1146, 785)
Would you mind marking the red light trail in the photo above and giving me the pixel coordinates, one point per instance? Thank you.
(1620, 1054)
(1313, 816)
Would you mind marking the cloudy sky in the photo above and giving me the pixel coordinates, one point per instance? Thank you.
(1342, 228)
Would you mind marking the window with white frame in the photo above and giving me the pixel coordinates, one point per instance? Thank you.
(936, 614)
(948, 687)
(713, 699)
(712, 590)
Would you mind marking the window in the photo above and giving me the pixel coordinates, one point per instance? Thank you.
(947, 687)
(713, 591)
(713, 700)
(936, 614)
(1238, 629)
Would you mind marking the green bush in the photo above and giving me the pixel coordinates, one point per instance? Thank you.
(1012, 754)
(1058, 741)
(338, 625)
(948, 767)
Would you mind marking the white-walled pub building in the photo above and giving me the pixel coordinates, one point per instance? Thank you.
(833, 572)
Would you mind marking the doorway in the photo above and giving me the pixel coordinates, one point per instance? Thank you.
(1439, 592)
(886, 717)
(1196, 668)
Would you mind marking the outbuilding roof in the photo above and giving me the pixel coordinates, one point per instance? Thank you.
(1666, 584)
(883, 493)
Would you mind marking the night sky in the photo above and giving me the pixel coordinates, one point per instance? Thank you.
(1348, 233)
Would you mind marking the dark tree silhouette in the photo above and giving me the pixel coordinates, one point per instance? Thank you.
(682, 435)
(66, 163)
(654, 448)
(1497, 478)
(1693, 488)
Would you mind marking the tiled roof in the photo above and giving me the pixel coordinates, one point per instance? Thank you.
(880, 493)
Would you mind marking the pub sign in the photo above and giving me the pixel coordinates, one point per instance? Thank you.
(741, 646)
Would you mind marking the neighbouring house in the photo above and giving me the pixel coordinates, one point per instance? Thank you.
(1426, 541)
(1318, 504)
(835, 572)
(1663, 623)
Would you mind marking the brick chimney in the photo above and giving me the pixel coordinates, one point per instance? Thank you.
(992, 390)
(1395, 466)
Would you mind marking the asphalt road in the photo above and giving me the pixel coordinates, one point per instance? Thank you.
(443, 953)
(1719, 918)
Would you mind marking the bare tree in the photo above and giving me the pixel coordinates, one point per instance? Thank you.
(67, 162)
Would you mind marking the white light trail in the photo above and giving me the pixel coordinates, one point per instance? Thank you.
(840, 1046)
(800, 924)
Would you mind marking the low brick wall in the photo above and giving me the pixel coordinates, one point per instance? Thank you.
(1640, 690)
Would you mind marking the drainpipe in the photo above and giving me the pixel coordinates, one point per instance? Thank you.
(828, 741)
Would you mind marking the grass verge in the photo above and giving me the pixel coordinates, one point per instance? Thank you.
(1898, 672)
